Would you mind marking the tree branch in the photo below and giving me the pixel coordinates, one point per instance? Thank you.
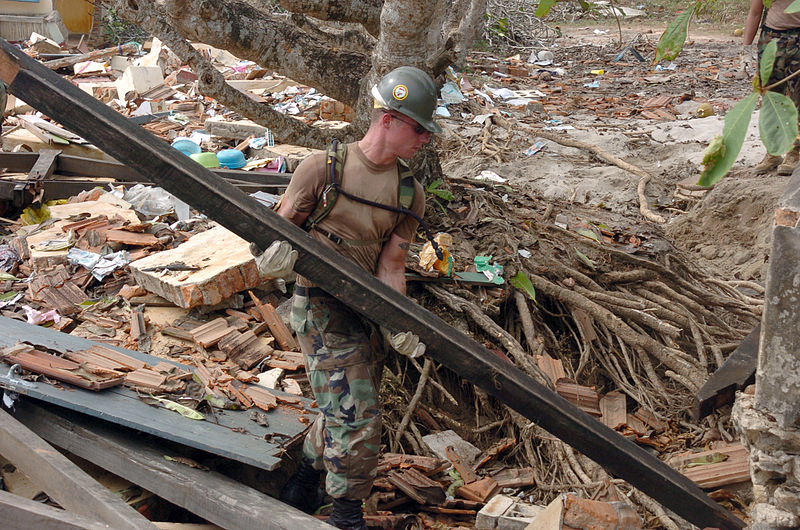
(364, 12)
(212, 83)
(262, 37)
(335, 38)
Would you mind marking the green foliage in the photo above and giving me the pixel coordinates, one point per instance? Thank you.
(671, 42)
(439, 193)
(118, 30)
(498, 26)
(777, 122)
(521, 281)
(768, 61)
(794, 7)
(434, 188)
(736, 122)
(545, 5)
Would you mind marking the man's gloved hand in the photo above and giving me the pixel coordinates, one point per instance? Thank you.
(405, 343)
(277, 261)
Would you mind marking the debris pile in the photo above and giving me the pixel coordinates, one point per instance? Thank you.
(598, 308)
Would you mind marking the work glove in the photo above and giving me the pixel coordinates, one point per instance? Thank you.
(277, 261)
(405, 343)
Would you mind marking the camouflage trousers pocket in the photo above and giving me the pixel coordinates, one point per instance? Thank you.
(306, 315)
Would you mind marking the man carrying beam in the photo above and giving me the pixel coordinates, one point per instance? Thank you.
(361, 201)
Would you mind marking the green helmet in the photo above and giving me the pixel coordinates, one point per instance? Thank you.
(409, 91)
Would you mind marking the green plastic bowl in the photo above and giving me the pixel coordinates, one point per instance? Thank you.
(205, 159)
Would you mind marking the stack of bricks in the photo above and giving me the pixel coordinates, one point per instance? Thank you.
(334, 110)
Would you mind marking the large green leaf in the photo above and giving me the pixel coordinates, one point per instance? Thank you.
(777, 122)
(671, 42)
(736, 122)
(521, 281)
(544, 7)
(768, 61)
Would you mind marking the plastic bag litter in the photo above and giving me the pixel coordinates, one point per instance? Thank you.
(451, 94)
(490, 176)
(427, 256)
(37, 317)
(153, 201)
(100, 266)
(492, 271)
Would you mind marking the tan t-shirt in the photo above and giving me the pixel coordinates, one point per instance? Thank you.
(778, 19)
(350, 219)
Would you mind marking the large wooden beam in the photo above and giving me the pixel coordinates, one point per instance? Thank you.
(62, 480)
(19, 513)
(212, 496)
(343, 279)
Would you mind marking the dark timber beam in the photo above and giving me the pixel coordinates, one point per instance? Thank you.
(211, 495)
(62, 480)
(130, 144)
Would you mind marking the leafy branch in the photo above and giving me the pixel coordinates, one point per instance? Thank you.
(777, 121)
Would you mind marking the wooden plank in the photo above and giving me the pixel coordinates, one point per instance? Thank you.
(211, 495)
(354, 287)
(738, 371)
(614, 410)
(62, 480)
(276, 326)
(45, 164)
(20, 513)
(234, 436)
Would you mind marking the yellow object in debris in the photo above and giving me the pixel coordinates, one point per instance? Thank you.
(737, 32)
(705, 110)
(427, 256)
(597, 72)
(34, 216)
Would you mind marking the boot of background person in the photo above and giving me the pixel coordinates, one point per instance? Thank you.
(768, 163)
(347, 515)
(302, 488)
(789, 161)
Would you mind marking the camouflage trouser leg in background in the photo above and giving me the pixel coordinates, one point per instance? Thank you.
(787, 59)
(344, 370)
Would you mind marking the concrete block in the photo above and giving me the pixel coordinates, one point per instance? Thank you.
(121, 62)
(238, 129)
(226, 267)
(440, 441)
(506, 513)
(293, 154)
(139, 79)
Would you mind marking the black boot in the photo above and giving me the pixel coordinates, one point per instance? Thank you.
(347, 515)
(302, 488)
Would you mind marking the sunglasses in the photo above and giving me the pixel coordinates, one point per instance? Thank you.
(419, 129)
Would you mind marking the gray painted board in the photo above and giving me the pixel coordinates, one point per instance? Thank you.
(219, 435)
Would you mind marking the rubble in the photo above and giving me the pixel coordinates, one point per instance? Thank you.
(237, 346)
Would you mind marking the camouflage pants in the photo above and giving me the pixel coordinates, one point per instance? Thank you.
(344, 369)
(787, 59)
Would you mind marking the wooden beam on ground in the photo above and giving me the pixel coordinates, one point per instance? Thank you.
(738, 371)
(55, 64)
(343, 279)
(62, 480)
(208, 494)
(20, 513)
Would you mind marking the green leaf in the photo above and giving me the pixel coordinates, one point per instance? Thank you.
(585, 232)
(671, 42)
(794, 7)
(777, 122)
(736, 122)
(768, 61)
(183, 410)
(523, 283)
(443, 194)
(584, 258)
(714, 152)
(544, 7)
(585, 5)
(5, 297)
(6, 277)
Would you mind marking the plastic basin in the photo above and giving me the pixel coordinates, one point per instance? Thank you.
(231, 159)
(205, 159)
(186, 146)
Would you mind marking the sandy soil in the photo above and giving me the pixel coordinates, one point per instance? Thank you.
(728, 229)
